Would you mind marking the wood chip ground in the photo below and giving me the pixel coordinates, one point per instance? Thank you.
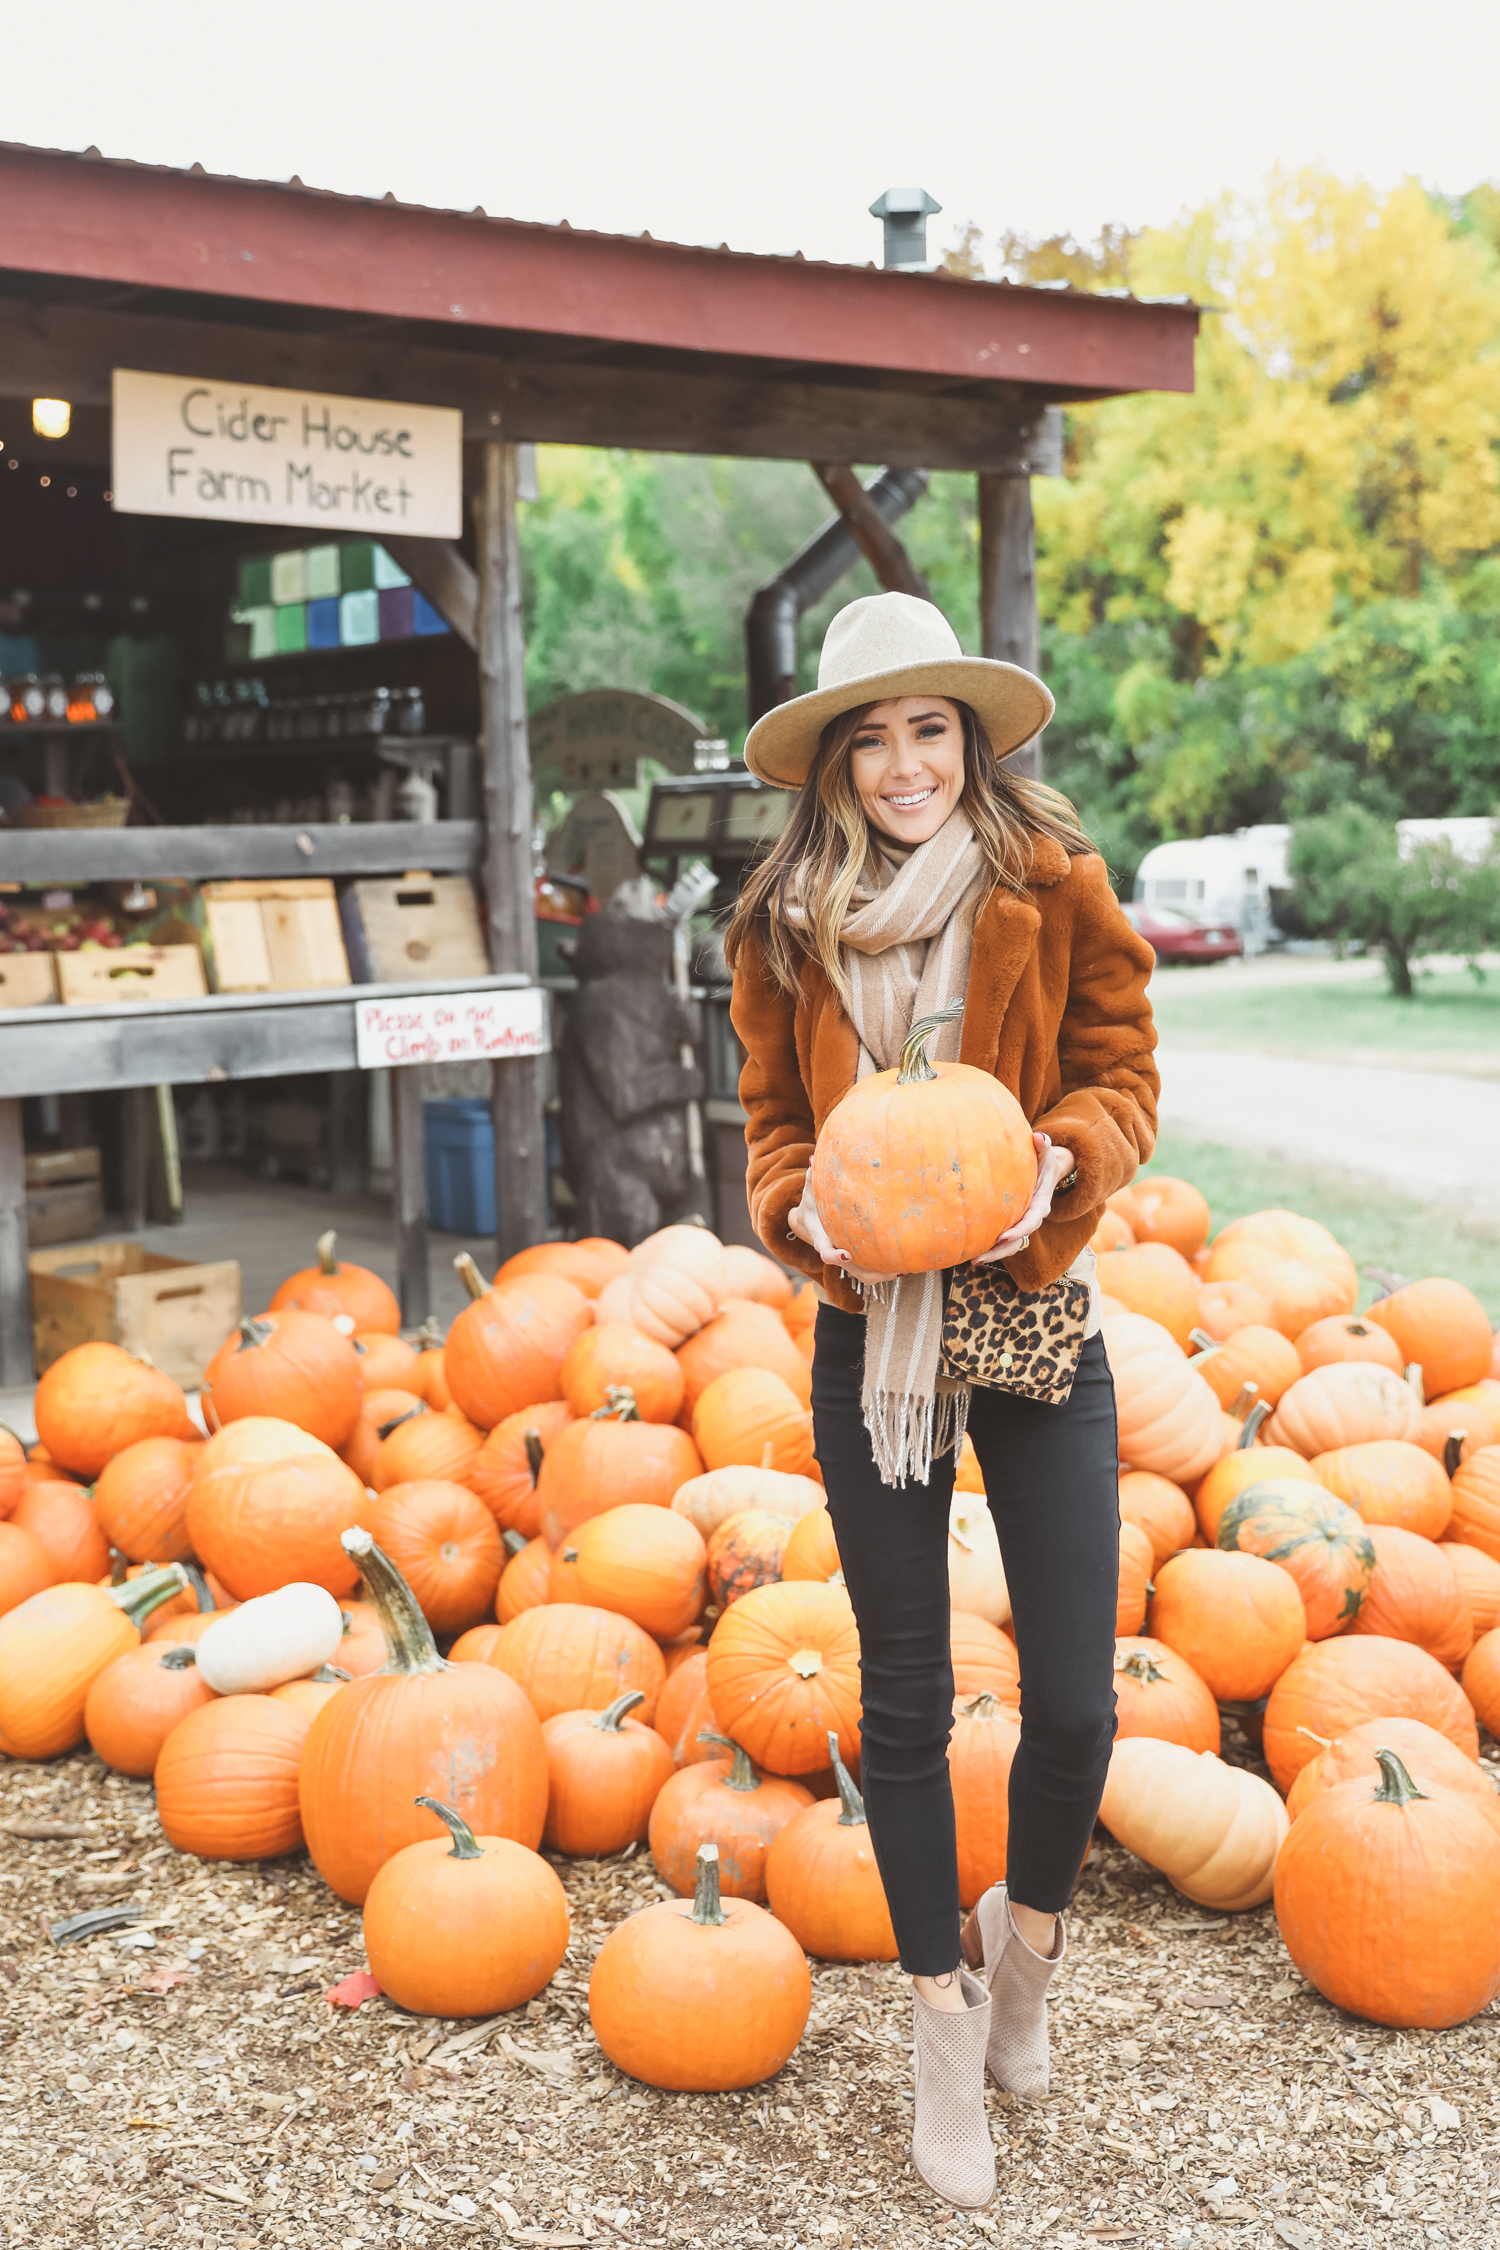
(199, 2089)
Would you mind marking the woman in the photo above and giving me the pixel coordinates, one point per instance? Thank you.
(914, 872)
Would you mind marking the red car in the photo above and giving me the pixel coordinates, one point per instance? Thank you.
(1176, 936)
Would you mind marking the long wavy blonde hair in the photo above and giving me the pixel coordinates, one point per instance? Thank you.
(825, 848)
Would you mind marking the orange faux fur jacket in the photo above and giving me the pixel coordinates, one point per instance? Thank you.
(1056, 1009)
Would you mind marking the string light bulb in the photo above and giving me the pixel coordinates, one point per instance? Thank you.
(51, 417)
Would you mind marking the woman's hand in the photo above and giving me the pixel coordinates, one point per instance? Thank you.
(808, 1227)
(1054, 1164)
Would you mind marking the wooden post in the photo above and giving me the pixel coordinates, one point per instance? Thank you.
(135, 1156)
(519, 1085)
(16, 1364)
(409, 1196)
(1007, 588)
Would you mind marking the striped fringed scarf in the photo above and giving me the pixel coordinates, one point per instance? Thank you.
(907, 939)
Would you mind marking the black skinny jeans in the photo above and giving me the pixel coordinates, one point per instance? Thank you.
(1051, 1476)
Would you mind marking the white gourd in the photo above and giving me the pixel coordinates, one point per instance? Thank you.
(275, 1638)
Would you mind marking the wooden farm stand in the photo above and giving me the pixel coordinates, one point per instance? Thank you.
(535, 333)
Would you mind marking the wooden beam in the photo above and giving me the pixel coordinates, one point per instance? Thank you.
(518, 1085)
(16, 1362)
(1007, 588)
(100, 855)
(873, 536)
(677, 403)
(409, 1196)
(437, 569)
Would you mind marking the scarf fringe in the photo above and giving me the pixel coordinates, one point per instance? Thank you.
(908, 1434)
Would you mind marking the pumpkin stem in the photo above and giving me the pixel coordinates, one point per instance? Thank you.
(1322, 1740)
(179, 1659)
(707, 1908)
(767, 1456)
(1140, 1666)
(608, 1720)
(408, 1636)
(1387, 1283)
(326, 1261)
(619, 1405)
(1453, 1451)
(140, 1596)
(384, 1429)
(915, 1068)
(532, 1440)
(254, 1333)
(464, 1845)
(1244, 1399)
(469, 1274)
(853, 1814)
(429, 1337)
(202, 1591)
(326, 1674)
(119, 1566)
(1259, 1412)
(1396, 1784)
(1204, 1341)
(1414, 1378)
(514, 1542)
(742, 1774)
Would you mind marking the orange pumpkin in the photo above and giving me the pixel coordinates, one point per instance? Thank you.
(811, 1549)
(984, 1658)
(141, 1499)
(379, 1412)
(575, 1657)
(741, 1335)
(1343, 1337)
(1236, 1619)
(97, 1399)
(1320, 1542)
(1227, 1306)
(505, 1470)
(61, 1518)
(721, 1799)
(747, 1550)
(1347, 1403)
(1134, 1579)
(1475, 1521)
(340, 1292)
(171, 1623)
(307, 1696)
(611, 1460)
(1259, 1356)
(588, 1269)
(1159, 1508)
(53, 1647)
(1455, 1434)
(386, 1363)
(12, 1470)
(614, 1356)
(986, 1735)
(684, 1714)
(822, 1882)
(925, 1166)
(384, 1741)
(468, 1929)
(523, 1581)
(1481, 1679)
(424, 1446)
(1155, 1281)
(1168, 1417)
(25, 1567)
(268, 1507)
(432, 1367)
(1213, 1829)
(783, 1668)
(644, 1563)
(446, 1546)
(1425, 1869)
(136, 1701)
(1160, 1208)
(1390, 1481)
(800, 1313)
(1306, 1270)
(226, 1779)
(1479, 1576)
(1114, 1231)
(1157, 1692)
(1443, 1327)
(292, 1366)
(740, 1413)
(1331, 1686)
(751, 1274)
(1234, 1472)
(605, 1772)
(701, 1998)
(1429, 1757)
(362, 1648)
(1416, 1595)
(506, 1349)
(1485, 1395)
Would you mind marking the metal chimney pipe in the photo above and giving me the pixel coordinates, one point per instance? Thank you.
(905, 212)
(771, 625)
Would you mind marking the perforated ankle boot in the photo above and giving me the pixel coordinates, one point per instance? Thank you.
(950, 2135)
(1017, 1981)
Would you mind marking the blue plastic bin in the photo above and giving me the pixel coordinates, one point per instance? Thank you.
(460, 1140)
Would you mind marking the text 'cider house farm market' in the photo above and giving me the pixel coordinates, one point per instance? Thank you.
(256, 455)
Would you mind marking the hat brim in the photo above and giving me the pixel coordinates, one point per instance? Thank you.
(1012, 706)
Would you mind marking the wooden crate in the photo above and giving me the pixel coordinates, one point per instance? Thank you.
(27, 980)
(69, 1212)
(175, 1312)
(413, 928)
(131, 972)
(276, 935)
(49, 1167)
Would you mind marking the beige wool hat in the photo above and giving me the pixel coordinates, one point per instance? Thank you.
(888, 645)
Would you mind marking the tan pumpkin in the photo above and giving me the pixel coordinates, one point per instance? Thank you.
(750, 1273)
(1169, 1419)
(1213, 1830)
(708, 1500)
(1347, 1403)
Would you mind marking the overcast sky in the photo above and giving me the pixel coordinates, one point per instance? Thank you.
(770, 124)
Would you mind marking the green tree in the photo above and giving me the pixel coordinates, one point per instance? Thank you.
(1354, 884)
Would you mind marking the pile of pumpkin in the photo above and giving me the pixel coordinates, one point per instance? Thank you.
(599, 1496)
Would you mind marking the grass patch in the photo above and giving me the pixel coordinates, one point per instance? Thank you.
(1452, 1014)
(1376, 1227)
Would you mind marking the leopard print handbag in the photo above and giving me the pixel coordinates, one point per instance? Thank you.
(1002, 1338)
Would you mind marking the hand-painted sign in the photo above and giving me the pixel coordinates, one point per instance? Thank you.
(451, 1027)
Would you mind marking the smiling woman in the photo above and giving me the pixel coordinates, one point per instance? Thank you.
(906, 760)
